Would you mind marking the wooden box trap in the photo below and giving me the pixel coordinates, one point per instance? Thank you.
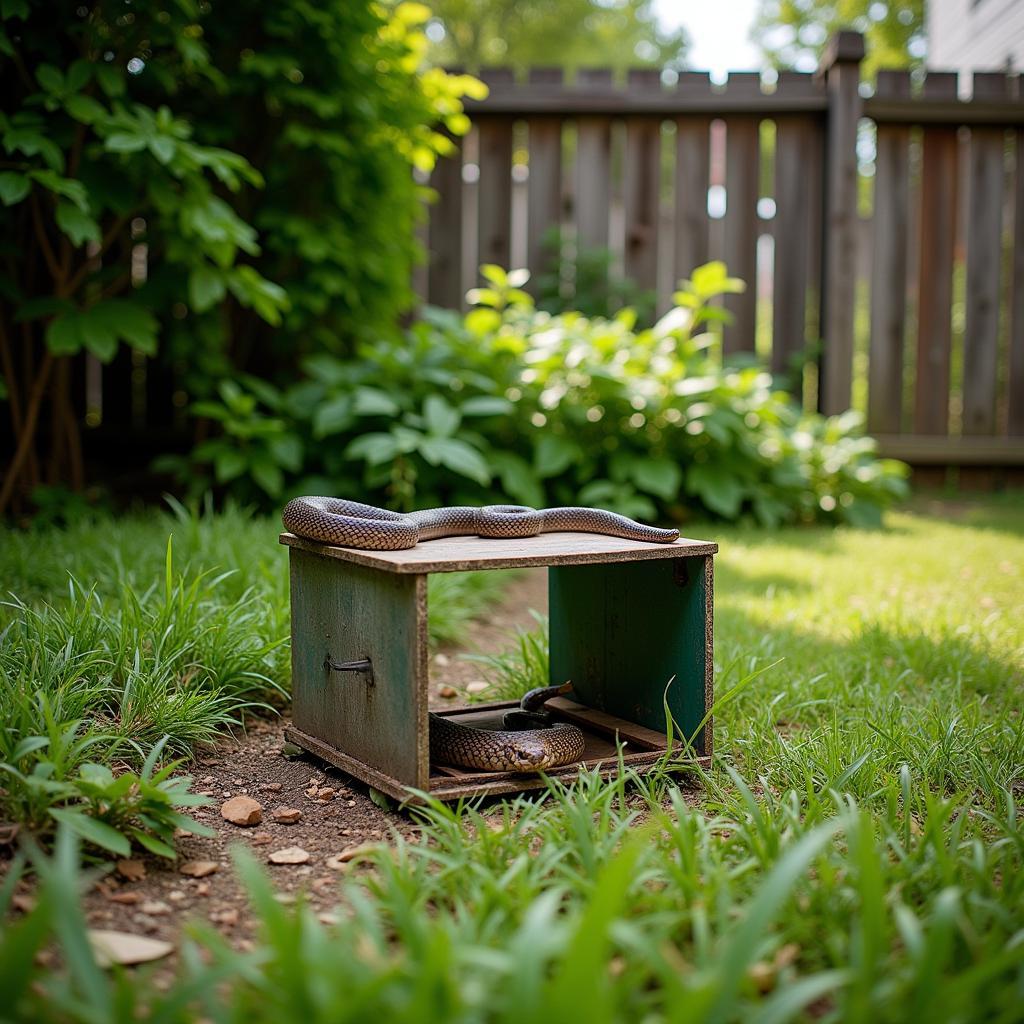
(625, 618)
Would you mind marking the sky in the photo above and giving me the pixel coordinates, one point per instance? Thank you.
(719, 32)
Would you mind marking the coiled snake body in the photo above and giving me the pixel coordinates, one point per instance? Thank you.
(353, 524)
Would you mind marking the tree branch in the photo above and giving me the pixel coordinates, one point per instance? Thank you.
(28, 432)
(43, 239)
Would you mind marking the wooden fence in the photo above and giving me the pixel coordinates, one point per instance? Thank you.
(881, 235)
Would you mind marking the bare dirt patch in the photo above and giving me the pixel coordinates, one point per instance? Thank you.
(154, 898)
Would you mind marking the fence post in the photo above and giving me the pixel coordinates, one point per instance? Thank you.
(840, 67)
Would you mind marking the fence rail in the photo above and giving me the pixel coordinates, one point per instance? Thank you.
(913, 311)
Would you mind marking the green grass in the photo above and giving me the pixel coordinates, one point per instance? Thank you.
(856, 853)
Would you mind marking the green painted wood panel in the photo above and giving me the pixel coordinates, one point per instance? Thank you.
(354, 612)
(621, 631)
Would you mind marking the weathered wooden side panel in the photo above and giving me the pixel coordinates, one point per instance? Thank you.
(621, 632)
(544, 186)
(351, 612)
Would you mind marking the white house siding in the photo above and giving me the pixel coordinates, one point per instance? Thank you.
(975, 35)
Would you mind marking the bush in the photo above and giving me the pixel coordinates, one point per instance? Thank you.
(195, 175)
(511, 403)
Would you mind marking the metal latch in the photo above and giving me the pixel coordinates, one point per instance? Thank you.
(363, 666)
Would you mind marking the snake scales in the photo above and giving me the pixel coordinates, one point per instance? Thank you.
(353, 524)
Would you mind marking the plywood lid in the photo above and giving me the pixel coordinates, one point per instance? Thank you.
(462, 554)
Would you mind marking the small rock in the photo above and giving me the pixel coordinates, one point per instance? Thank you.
(271, 787)
(203, 889)
(327, 918)
(208, 780)
(353, 852)
(176, 895)
(242, 810)
(236, 782)
(477, 686)
(198, 868)
(155, 908)
(261, 838)
(23, 902)
(125, 898)
(181, 833)
(292, 750)
(441, 660)
(286, 815)
(228, 917)
(286, 899)
(133, 870)
(325, 795)
(337, 862)
(110, 947)
(448, 692)
(289, 855)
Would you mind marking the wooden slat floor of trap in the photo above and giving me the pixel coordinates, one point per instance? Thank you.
(641, 749)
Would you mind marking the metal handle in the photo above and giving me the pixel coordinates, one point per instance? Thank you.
(364, 666)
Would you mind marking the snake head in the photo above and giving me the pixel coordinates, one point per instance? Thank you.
(529, 756)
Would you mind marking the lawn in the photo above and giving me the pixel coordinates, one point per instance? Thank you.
(855, 853)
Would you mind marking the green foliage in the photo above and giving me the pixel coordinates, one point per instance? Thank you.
(584, 280)
(618, 34)
(600, 903)
(236, 185)
(514, 403)
(794, 32)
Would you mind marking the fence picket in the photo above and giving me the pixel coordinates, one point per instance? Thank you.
(593, 167)
(444, 234)
(693, 159)
(889, 264)
(642, 186)
(741, 186)
(935, 275)
(494, 217)
(544, 186)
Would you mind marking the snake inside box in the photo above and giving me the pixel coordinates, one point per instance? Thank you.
(630, 612)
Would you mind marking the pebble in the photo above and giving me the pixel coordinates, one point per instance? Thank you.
(127, 898)
(477, 686)
(448, 692)
(133, 870)
(155, 908)
(441, 659)
(242, 811)
(286, 815)
(271, 787)
(198, 869)
(289, 855)
(261, 838)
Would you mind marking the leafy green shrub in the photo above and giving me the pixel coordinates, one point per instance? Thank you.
(109, 812)
(509, 402)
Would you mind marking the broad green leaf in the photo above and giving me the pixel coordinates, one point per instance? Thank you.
(554, 454)
(457, 456)
(716, 486)
(518, 479)
(50, 78)
(229, 464)
(442, 420)
(333, 416)
(125, 142)
(85, 109)
(78, 226)
(374, 448)
(268, 476)
(98, 833)
(374, 402)
(486, 405)
(64, 336)
(206, 288)
(287, 451)
(79, 74)
(163, 148)
(13, 187)
(661, 477)
(154, 845)
(483, 321)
